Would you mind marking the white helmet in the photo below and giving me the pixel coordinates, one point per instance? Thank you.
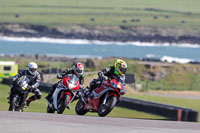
(32, 67)
(79, 68)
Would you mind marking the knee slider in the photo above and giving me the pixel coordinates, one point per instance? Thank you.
(38, 95)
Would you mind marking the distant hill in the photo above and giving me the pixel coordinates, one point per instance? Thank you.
(103, 33)
(113, 20)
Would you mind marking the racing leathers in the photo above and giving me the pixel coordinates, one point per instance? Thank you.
(60, 76)
(34, 83)
(107, 73)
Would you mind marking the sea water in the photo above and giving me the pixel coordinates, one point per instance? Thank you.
(99, 49)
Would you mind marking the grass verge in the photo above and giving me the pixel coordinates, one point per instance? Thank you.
(40, 105)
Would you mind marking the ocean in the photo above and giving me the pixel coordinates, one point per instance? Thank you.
(182, 53)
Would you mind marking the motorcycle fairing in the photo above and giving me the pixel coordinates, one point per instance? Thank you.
(71, 82)
(98, 92)
(55, 95)
(92, 104)
(95, 101)
(67, 93)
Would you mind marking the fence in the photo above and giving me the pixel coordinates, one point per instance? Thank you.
(170, 111)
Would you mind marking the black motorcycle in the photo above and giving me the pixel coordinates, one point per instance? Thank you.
(19, 93)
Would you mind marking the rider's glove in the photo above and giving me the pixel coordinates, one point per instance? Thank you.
(100, 74)
(13, 79)
(67, 70)
(32, 86)
(59, 76)
(105, 78)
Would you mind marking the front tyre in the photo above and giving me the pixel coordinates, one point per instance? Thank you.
(63, 104)
(13, 103)
(104, 109)
(80, 108)
(50, 109)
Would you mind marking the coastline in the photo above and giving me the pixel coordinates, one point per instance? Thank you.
(36, 33)
(87, 43)
(137, 35)
(95, 42)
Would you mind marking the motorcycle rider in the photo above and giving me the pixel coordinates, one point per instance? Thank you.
(33, 84)
(118, 69)
(77, 69)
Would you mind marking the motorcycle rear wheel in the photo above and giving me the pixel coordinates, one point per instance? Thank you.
(109, 105)
(80, 108)
(63, 104)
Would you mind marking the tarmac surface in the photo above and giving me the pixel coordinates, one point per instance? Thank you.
(27, 122)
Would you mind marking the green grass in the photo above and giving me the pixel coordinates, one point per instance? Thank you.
(178, 80)
(61, 13)
(40, 105)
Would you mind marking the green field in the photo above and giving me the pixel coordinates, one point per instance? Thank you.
(40, 105)
(62, 13)
(183, 77)
(65, 13)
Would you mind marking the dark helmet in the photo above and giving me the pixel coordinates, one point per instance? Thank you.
(79, 68)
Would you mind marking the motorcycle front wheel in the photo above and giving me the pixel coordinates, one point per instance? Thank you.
(50, 109)
(13, 102)
(80, 108)
(63, 104)
(105, 109)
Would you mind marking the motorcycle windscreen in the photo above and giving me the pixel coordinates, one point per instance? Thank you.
(73, 82)
(22, 83)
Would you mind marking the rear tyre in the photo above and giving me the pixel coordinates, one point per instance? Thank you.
(80, 108)
(109, 105)
(13, 103)
(63, 104)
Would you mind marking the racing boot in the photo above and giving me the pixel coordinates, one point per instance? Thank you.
(84, 96)
(29, 100)
(49, 99)
(49, 96)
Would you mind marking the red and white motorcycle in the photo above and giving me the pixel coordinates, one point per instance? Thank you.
(66, 92)
(102, 99)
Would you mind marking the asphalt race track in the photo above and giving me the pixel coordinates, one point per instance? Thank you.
(26, 122)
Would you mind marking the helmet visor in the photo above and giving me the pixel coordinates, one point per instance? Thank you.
(79, 71)
(33, 70)
(121, 71)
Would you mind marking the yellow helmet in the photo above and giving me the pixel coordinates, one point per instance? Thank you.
(120, 67)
